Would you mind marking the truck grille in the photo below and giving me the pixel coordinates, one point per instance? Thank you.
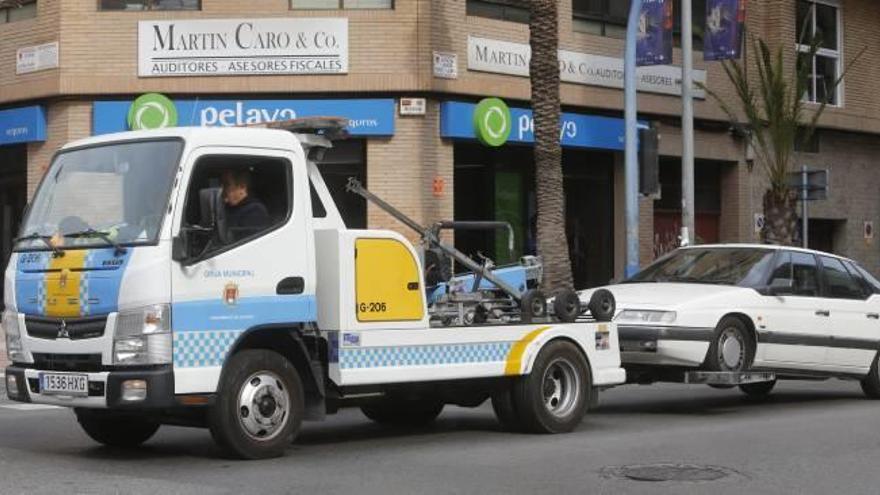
(67, 362)
(77, 328)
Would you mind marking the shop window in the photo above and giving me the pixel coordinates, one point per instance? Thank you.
(707, 204)
(341, 4)
(505, 10)
(819, 22)
(149, 5)
(698, 22)
(219, 180)
(11, 11)
(601, 17)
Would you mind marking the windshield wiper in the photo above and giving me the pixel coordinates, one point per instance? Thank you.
(47, 240)
(98, 234)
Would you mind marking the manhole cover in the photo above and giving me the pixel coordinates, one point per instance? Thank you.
(667, 472)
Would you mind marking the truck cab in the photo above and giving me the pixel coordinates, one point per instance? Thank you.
(136, 296)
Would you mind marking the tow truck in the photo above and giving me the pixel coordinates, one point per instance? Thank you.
(130, 299)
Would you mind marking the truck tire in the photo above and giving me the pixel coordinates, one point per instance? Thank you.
(602, 305)
(871, 382)
(566, 306)
(502, 404)
(758, 390)
(533, 306)
(554, 397)
(732, 347)
(114, 429)
(393, 411)
(259, 405)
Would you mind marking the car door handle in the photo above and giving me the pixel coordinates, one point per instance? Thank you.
(290, 285)
(873, 316)
(823, 312)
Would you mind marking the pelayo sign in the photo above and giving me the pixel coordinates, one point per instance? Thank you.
(243, 47)
(366, 117)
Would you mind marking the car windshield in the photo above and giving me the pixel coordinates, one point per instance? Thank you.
(113, 194)
(724, 266)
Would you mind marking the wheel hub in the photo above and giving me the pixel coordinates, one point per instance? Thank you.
(263, 406)
(561, 388)
(731, 347)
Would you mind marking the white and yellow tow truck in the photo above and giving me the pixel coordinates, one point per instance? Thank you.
(130, 299)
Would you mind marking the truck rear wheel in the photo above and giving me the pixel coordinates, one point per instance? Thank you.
(259, 406)
(395, 411)
(114, 429)
(555, 396)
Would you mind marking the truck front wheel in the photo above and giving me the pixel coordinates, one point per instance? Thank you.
(259, 405)
(114, 429)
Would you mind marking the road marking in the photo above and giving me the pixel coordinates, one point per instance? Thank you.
(30, 407)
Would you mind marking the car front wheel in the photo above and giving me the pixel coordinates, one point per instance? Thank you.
(871, 382)
(732, 347)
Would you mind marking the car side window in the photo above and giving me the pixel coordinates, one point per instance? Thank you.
(233, 199)
(873, 283)
(799, 270)
(838, 283)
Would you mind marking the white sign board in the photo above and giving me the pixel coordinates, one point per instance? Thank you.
(413, 106)
(504, 57)
(35, 58)
(246, 47)
(445, 65)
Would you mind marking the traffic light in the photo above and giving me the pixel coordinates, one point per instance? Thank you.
(649, 161)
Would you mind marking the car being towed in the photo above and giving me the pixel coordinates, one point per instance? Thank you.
(796, 312)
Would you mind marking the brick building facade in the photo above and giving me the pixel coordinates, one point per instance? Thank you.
(424, 163)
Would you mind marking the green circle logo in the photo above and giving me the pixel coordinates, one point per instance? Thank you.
(152, 111)
(492, 122)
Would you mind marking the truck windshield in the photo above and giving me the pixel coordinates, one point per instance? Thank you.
(113, 194)
(745, 267)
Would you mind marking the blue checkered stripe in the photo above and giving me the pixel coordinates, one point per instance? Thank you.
(200, 349)
(423, 355)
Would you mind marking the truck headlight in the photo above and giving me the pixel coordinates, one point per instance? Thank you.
(646, 316)
(143, 336)
(14, 349)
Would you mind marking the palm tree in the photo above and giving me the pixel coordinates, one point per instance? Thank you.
(777, 123)
(544, 75)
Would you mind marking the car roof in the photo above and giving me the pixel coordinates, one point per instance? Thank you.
(774, 247)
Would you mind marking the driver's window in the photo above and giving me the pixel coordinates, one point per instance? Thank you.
(798, 272)
(233, 199)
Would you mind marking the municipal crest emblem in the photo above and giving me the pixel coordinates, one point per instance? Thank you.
(230, 294)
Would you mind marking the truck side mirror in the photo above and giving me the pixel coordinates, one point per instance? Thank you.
(180, 247)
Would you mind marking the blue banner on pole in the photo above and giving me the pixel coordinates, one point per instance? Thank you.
(725, 25)
(654, 37)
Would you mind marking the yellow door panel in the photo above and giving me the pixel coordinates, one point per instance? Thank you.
(62, 284)
(388, 282)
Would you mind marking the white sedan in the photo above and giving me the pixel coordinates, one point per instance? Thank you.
(796, 312)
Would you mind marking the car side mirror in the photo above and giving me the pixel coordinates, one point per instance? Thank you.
(780, 286)
(180, 248)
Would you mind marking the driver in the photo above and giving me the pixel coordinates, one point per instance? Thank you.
(245, 214)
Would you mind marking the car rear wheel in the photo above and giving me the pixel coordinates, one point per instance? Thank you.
(871, 382)
(758, 390)
(732, 347)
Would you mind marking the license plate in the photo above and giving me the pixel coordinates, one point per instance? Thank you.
(64, 384)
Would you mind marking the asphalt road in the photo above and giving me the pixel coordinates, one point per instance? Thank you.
(820, 438)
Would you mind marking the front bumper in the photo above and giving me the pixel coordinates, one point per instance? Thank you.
(105, 388)
(664, 345)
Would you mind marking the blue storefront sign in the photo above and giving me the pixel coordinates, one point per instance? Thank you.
(576, 130)
(366, 117)
(22, 125)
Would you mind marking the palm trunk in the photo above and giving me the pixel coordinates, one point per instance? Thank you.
(544, 73)
(780, 218)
